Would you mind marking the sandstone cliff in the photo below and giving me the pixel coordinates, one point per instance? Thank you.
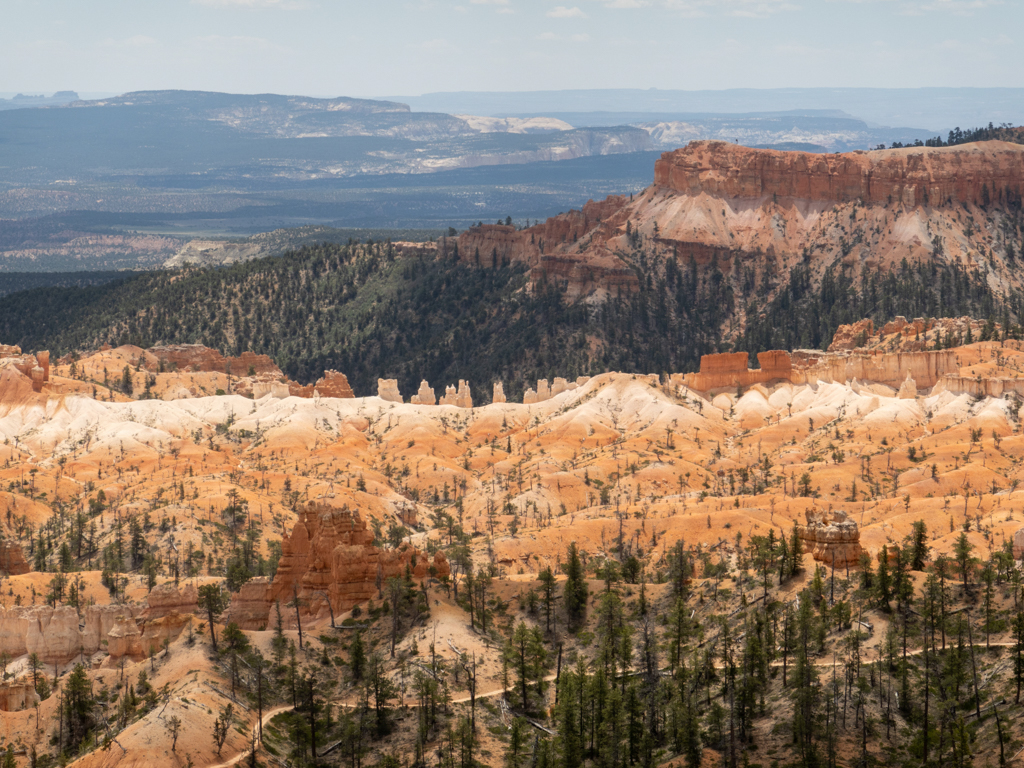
(911, 176)
(742, 210)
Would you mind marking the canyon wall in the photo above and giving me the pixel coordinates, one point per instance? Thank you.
(60, 635)
(977, 173)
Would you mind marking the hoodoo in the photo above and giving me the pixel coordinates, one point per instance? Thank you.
(329, 557)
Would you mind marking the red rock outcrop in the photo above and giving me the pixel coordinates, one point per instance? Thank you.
(12, 559)
(331, 384)
(166, 599)
(911, 176)
(199, 358)
(730, 370)
(557, 249)
(760, 213)
(851, 336)
(805, 366)
(16, 695)
(329, 556)
(832, 538)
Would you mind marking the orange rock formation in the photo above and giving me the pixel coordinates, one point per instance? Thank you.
(832, 538)
(425, 395)
(331, 384)
(12, 559)
(199, 358)
(329, 557)
(722, 206)
(959, 174)
(893, 369)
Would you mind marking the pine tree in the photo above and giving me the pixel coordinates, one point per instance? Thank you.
(357, 657)
(883, 582)
(795, 551)
(576, 590)
(919, 546)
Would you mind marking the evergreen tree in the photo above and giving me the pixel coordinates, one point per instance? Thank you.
(576, 590)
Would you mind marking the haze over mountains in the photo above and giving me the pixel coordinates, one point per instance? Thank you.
(125, 181)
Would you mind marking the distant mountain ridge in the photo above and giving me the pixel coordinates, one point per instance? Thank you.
(934, 109)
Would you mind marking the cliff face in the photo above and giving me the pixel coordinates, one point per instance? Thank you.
(925, 369)
(762, 213)
(558, 249)
(911, 176)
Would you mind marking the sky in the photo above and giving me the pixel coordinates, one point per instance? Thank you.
(377, 48)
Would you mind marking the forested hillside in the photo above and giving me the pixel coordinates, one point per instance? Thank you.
(370, 313)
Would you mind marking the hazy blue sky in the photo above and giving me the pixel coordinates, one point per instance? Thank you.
(389, 47)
